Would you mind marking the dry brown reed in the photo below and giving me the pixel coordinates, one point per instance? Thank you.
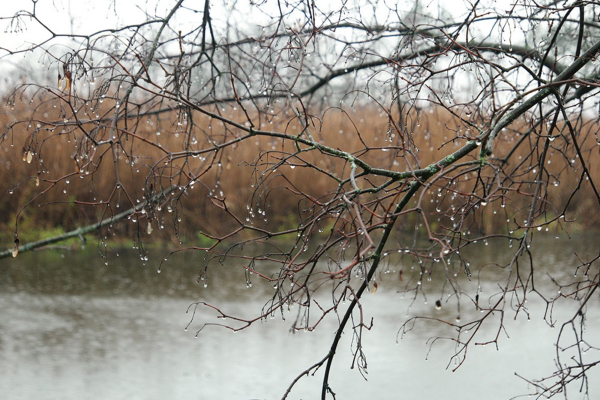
(238, 173)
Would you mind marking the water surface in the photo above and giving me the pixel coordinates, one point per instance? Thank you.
(72, 327)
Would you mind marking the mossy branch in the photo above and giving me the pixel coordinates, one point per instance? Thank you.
(79, 232)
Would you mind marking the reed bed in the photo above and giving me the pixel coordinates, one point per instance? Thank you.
(243, 174)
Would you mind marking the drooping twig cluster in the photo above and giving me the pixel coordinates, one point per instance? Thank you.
(475, 119)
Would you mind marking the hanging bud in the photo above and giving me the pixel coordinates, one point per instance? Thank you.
(374, 288)
(29, 157)
(149, 229)
(67, 80)
(15, 251)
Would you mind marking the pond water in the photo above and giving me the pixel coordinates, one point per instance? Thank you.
(72, 327)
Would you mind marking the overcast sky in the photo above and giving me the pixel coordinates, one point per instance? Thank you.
(86, 17)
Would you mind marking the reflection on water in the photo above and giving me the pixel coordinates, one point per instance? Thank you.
(72, 327)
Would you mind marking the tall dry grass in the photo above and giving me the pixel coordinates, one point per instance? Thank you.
(238, 175)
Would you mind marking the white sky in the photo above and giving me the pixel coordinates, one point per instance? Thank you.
(87, 16)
